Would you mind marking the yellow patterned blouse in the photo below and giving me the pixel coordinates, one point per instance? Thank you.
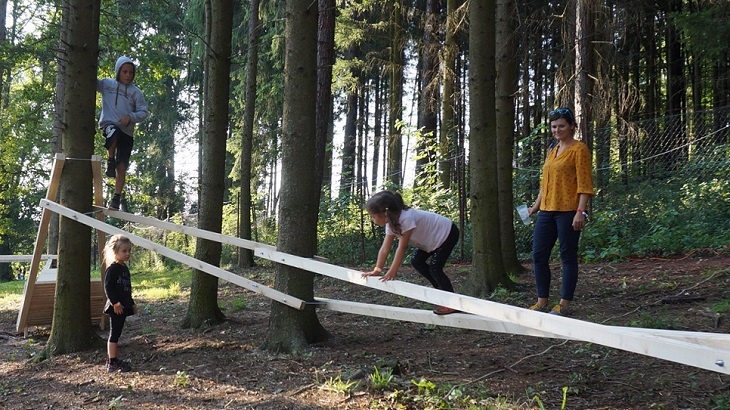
(565, 176)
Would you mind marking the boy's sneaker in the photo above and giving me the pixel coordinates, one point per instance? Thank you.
(115, 202)
(119, 366)
(123, 204)
(111, 168)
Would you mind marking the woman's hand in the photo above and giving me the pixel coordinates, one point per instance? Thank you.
(579, 221)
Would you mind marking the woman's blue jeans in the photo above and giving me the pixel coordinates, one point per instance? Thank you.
(551, 227)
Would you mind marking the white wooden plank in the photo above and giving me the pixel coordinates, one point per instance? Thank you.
(187, 230)
(469, 321)
(679, 351)
(460, 320)
(180, 257)
(24, 258)
(40, 242)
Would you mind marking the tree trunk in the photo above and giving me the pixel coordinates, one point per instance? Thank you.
(292, 330)
(6, 272)
(377, 129)
(245, 256)
(487, 266)
(71, 330)
(203, 307)
(429, 96)
(505, 129)
(448, 109)
(325, 62)
(584, 69)
(676, 92)
(347, 173)
(394, 170)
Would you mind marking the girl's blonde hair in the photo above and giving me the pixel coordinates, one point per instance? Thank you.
(112, 247)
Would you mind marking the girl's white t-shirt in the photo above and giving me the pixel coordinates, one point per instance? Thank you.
(430, 230)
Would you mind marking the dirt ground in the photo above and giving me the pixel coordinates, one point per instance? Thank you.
(222, 367)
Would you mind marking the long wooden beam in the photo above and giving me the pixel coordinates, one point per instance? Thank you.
(175, 255)
(24, 258)
(679, 351)
(40, 241)
(459, 320)
(183, 229)
(475, 322)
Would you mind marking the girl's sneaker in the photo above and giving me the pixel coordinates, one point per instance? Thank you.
(443, 310)
(119, 366)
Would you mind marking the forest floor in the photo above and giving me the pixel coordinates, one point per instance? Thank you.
(222, 367)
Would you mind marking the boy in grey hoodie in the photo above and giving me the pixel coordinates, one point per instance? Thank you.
(122, 106)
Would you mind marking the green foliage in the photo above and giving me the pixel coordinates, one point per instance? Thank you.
(720, 402)
(346, 236)
(651, 219)
(337, 385)
(381, 380)
(116, 403)
(651, 320)
(236, 304)
(181, 380)
(706, 29)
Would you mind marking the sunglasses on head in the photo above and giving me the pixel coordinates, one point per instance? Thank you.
(562, 111)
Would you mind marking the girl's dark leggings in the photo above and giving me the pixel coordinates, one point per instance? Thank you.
(433, 269)
(116, 326)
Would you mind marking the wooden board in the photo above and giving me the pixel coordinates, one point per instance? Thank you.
(40, 305)
(270, 293)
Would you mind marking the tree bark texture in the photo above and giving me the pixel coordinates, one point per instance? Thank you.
(203, 307)
(394, 169)
(245, 256)
(325, 62)
(71, 330)
(292, 330)
(506, 60)
(487, 266)
(429, 94)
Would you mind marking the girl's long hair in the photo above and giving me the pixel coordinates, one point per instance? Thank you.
(388, 203)
(112, 247)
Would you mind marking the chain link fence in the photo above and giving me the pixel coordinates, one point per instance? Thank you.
(662, 186)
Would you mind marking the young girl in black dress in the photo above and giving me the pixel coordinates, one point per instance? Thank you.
(119, 304)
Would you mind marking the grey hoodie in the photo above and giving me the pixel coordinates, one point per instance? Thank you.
(118, 100)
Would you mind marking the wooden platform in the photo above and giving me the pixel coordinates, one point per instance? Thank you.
(40, 307)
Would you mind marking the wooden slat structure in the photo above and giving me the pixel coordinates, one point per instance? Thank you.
(39, 294)
(40, 308)
(709, 351)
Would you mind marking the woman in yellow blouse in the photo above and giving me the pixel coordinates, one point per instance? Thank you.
(566, 186)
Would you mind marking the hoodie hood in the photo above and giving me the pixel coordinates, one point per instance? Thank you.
(120, 62)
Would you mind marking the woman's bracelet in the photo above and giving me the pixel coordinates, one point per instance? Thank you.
(376, 269)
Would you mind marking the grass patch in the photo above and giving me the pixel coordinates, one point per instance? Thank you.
(152, 285)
